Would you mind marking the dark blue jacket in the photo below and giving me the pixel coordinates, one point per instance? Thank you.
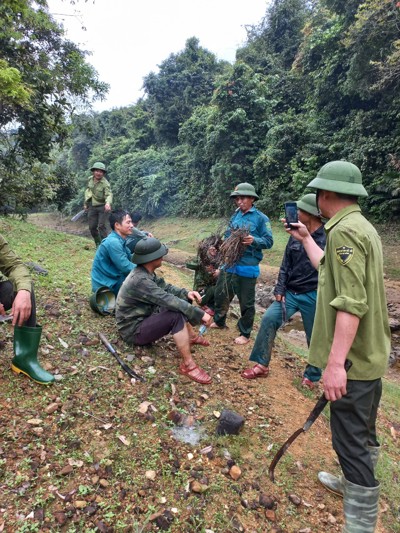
(296, 273)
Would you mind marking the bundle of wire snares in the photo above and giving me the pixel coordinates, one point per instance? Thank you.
(205, 258)
(232, 249)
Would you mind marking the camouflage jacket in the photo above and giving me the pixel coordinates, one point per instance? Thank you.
(143, 294)
(12, 267)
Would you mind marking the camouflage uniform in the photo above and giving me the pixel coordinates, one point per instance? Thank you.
(144, 294)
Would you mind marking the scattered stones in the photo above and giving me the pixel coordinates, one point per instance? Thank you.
(60, 517)
(331, 519)
(270, 515)
(296, 500)
(66, 470)
(35, 421)
(165, 520)
(51, 408)
(235, 472)
(266, 501)
(197, 487)
(80, 504)
(230, 423)
(151, 475)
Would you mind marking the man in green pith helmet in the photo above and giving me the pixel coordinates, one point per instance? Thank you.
(241, 278)
(148, 308)
(351, 322)
(98, 200)
(16, 294)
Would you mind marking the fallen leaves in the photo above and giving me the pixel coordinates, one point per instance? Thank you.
(124, 440)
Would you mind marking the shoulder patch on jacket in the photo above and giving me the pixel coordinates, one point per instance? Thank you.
(344, 254)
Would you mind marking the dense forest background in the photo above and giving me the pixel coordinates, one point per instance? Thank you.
(315, 81)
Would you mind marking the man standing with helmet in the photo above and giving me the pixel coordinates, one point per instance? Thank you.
(351, 322)
(296, 290)
(241, 279)
(148, 308)
(98, 199)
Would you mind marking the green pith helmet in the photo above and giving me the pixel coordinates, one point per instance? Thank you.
(103, 301)
(99, 166)
(308, 203)
(244, 189)
(339, 176)
(148, 249)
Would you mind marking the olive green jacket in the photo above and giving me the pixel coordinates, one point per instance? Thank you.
(350, 279)
(99, 192)
(13, 267)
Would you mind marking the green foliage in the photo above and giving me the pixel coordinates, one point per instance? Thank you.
(43, 77)
(184, 81)
(315, 81)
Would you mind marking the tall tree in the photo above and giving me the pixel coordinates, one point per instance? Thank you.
(184, 81)
(43, 79)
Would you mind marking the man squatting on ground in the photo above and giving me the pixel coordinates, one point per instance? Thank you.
(112, 262)
(98, 200)
(351, 322)
(241, 279)
(296, 290)
(17, 294)
(148, 308)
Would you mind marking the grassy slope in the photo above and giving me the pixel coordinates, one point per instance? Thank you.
(107, 475)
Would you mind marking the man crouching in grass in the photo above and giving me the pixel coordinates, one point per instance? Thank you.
(148, 308)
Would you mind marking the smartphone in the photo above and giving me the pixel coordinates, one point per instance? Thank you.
(291, 213)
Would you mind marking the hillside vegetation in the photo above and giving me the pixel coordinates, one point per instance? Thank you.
(314, 82)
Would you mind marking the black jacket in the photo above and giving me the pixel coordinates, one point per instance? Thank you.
(297, 274)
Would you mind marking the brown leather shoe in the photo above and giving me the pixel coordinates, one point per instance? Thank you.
(258, 371)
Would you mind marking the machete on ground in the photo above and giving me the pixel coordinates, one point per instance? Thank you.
(318, 408)
(127, 369)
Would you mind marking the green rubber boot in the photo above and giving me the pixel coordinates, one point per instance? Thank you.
(335, 483)
(26, 345)
(97, 240)
(360, 506)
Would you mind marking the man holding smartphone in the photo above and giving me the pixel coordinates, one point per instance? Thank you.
(296, 290)
(351, 322)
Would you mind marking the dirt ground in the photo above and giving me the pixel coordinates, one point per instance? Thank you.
(273, 409)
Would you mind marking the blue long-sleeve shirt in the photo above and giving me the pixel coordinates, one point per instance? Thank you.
(259, 227)
(112, 263)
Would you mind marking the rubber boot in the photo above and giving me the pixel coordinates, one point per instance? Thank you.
(360, 506)
(335, 483)
(97, 240)
(26, 345)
